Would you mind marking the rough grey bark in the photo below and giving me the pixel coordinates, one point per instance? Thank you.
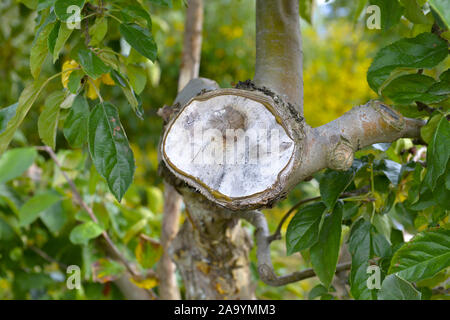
(190, 65)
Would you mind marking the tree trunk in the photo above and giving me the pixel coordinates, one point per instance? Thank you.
(190, 65)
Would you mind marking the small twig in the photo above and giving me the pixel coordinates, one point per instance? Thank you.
(79, 200)
(277, 234)
(265, 267)
(47, 258)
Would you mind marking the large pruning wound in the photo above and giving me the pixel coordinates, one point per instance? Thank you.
(231, 145)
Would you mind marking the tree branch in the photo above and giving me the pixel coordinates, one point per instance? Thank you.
(279, 55)
(333, 144)
(265, 267)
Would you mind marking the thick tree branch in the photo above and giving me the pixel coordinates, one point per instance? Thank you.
(333, 144)
(189, 69)
(265, 267)
(279, 49)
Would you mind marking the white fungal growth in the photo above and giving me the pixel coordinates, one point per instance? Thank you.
(230, 144)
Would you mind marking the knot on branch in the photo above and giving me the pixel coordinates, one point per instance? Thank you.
(391, 117)
(266, 273)
(341, 157)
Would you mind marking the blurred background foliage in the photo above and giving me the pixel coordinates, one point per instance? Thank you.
(338, 50)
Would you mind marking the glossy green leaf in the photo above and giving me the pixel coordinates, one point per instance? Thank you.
(414, 87)
(325, 252)
(391, 170)
(438, 153)
(82, 233)
(138, 78)
(109, 148)
(395, 288)
(442, 8)
(391, 12)
(424, 51)
(333, 183)
(31, 209)
(137, 14)
(140, 39)
(360, 249)
(15, 162)
(49, 117)
(51, 41)
(76, 123)
(303, 230)
(64, 10)
(423, 256)
(91, 64)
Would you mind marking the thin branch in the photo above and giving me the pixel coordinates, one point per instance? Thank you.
(78, 198)
(265, 267)
(46, 257)
(277, 234)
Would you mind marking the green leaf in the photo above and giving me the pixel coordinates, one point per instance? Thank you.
(391, 12)
(438, 153)
(6, 114)
(414, 13)
(91, 64)
(325, 253)
(133, 101)
(31, 209)
(39, 51)
(409, 88)
(62, 8)
(82, 233)
(164, 3)
(333, 183)
(303, 230)
(26, 100)
(317, 291)
(6, 232)
(75, 81)
(44, 4)
(109, 148)
(427, 131)
(136, 14)
(63, 35)
(140, 39)
(423, 256)
(360, 249)
(391, 170)
(98, 31)
(395, 288)
(51, 41)
(48, 119)
(442, 8)
(148, 253)
(305, 8)
(138, 78)
(15, 162)
(76, 123)
(424, 51)
(54, 218)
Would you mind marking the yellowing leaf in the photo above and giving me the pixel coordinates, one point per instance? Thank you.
(68, 64)
(91, 93)
(147, 283)
(106, 79)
